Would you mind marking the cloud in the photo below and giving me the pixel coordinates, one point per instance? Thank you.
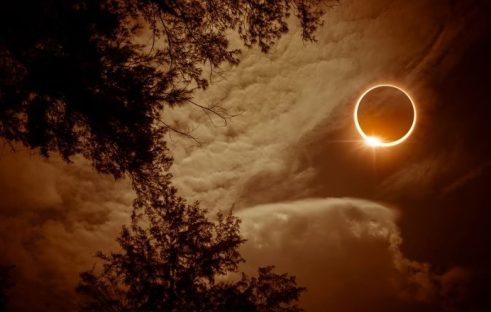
(53, 218)
(347, 252)
(301, 93)
(466, 178)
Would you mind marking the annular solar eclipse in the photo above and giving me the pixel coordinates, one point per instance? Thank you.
(385, 115)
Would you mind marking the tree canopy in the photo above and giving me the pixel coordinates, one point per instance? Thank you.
(76, 79)
(93, 77)
(173, 258)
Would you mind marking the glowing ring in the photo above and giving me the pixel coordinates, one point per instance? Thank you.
(374, 141)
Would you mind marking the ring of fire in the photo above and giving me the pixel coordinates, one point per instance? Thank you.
(373, 140)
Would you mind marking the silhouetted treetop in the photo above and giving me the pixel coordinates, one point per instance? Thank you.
(75, 76)
(173, 258)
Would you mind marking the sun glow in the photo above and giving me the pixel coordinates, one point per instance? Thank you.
(375, 141)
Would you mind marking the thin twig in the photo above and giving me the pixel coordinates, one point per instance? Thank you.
(188, 135)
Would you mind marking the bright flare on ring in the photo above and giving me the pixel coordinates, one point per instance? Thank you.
(373, 141)
(376, 141)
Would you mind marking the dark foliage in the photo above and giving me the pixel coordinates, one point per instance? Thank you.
(5, 284)
(75, 80)
(172, 258)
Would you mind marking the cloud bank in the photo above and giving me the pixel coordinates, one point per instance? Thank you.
(347, 253)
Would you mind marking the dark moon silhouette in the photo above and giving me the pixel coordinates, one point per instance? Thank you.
(385, 113)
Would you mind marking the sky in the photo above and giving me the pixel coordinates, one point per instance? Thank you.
(404, 228)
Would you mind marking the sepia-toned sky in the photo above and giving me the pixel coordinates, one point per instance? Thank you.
(406, 228)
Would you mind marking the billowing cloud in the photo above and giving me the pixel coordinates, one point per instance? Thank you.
(347, 252)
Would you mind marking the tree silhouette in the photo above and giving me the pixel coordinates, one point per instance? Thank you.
(75, 77)
(172, 258)
(93, 77)
(5, 284)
